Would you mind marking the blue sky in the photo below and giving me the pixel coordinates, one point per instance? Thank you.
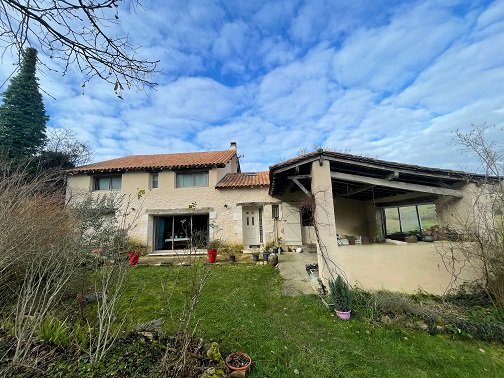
(388, 79)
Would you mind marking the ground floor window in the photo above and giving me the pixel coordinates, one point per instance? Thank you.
(410, 219)
(175, 232)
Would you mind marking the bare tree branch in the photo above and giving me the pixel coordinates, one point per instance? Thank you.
(76, 32)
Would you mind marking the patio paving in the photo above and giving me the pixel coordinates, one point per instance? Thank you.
(293, 271)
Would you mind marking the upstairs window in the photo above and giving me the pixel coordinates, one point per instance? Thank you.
(154, 180)
(107, 183)
(192, 179)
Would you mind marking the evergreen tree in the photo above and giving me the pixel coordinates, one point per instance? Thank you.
(22, 115)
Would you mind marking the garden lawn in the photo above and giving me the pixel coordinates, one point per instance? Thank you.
(243, 309)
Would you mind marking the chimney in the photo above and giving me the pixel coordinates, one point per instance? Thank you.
(232, 146)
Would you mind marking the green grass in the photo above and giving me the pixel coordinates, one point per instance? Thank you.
(243, 309)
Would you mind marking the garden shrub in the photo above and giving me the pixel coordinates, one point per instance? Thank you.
(230, 248)
(454, 313)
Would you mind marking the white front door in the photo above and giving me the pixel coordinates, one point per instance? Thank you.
(251, 226)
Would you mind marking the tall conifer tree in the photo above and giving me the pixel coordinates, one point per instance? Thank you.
(22, 115)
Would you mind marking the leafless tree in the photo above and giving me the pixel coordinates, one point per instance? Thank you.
(65, 142)
(479, 226)
(76, 32)
(198, 273)
(111, 234)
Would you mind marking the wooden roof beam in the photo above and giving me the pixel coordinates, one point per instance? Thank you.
(397, 198)
(360, 189)
(396, 184)
(295, 179)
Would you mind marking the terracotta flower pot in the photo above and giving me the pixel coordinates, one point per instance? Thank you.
(345, 315)
(238, 361)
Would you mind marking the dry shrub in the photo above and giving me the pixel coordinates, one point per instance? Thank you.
(46, 257)
(32, 221)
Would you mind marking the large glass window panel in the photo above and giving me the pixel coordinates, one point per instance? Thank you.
(179, 180)
(115, 182)
(409, 219)
(102, 183)
(160, 232)
(428, 215)
(186, 180)
(107, 183)
(201, 179)
(392, 220)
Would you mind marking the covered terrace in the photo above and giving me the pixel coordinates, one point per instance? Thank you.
(350, 194)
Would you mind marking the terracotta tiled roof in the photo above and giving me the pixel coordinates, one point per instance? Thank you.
(241, 180)
(160, 161)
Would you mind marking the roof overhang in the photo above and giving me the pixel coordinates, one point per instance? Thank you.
(93, 171)
(384, 183)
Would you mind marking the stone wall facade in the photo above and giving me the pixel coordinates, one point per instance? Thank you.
(224, 206)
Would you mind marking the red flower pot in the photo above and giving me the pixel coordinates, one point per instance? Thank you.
(133, 258)
(212, 255)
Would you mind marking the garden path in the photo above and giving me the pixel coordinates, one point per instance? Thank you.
(293, 271)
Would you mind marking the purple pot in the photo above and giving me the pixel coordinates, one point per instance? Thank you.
(345, 315)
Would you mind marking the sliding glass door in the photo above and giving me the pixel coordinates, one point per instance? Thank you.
(179, 231)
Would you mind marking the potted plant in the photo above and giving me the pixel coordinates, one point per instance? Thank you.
(238, 361)
(266, 255)
(255, 256)
(133, 257)
(212, 247)
(351, 239)
(231, 249)
(273, 259)
(236, 248)
(277, 246)
(341, 297)
(268, 249)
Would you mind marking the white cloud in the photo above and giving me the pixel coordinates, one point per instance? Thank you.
(388, 57)
(388, 80)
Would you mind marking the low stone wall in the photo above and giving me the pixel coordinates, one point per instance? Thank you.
(405, 268)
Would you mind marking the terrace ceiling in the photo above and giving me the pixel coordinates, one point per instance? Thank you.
(384, 183)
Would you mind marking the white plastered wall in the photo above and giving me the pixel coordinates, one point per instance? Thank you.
(351, 217)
